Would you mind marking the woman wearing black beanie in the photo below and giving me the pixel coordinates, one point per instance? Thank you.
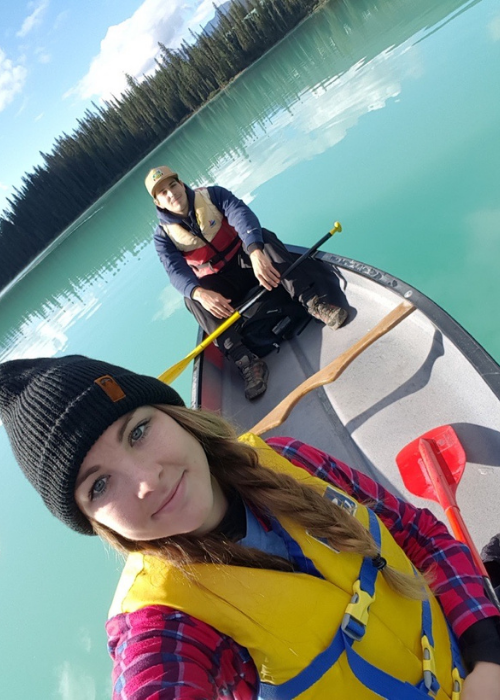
(229, 589)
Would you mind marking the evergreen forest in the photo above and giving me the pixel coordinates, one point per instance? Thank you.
(110, 139)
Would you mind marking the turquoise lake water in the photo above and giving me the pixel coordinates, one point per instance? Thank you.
(385, 116)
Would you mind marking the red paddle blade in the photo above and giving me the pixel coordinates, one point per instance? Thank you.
(449, 454)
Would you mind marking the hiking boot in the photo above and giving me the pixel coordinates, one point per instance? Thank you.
(332, 316)
(255, 373)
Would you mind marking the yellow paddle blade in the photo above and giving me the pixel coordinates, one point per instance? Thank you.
(173, 372)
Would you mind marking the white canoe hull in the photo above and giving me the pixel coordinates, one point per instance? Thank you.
(424, 373)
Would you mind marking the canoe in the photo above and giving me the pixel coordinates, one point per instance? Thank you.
(425, 372)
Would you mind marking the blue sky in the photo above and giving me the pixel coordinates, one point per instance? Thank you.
(57, 56)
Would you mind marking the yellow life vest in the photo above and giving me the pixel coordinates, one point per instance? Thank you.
(292, 623)
(220, 242)
(209, 220)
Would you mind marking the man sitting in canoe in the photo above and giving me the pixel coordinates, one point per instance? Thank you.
(215, 251)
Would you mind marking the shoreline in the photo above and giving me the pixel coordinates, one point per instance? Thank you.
(74, 225)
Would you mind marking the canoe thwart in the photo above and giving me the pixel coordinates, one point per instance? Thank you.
(332, 371)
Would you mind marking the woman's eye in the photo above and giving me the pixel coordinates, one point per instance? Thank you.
(138, 433)
(98, 487)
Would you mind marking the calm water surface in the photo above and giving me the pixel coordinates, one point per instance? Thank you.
(383, 115)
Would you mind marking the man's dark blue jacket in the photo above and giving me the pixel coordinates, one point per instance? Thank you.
(239, 216)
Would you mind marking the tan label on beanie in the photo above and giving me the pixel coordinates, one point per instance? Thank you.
(111, 387)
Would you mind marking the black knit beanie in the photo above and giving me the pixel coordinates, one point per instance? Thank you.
(54, 410)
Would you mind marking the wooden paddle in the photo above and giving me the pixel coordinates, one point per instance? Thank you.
(173, 372)
(330, 373)
(431, 467)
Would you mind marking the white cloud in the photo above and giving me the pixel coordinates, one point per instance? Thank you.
(3, 187)
(85, 639)
(47, 334)
(23, 106)
(34, 19)
(170, 300)
(74, 684)
(483, 242)
(320, 119)
(494, 28)
(42, 56)
(153, 21)
(60, 20)
(12, 79)
(37, 118)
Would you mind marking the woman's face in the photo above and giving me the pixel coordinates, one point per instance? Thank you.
(146, 478)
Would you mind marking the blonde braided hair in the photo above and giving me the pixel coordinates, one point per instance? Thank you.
(235, 466)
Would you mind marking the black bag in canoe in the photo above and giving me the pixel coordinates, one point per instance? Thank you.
(271, 320)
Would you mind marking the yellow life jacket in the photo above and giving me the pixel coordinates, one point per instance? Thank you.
(220, 241)
(342, 633)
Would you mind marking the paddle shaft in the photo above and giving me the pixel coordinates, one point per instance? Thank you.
(291, 268)
(446, 498)
(332, 371)
(173, 372)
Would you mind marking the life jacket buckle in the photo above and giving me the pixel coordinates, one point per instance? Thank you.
(429, 665)
(356, 613)
(456, 684)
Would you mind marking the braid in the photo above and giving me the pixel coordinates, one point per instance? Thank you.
(235, 466)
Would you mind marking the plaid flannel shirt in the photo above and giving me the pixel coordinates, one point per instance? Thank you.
(162, 654)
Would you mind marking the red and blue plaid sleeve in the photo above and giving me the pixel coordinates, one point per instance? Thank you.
(426, 541)
(163, 654)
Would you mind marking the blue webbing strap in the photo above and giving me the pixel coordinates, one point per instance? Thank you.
(427, 621)
(295, 553)
(356, 615)
(327, 658)
(308, 676)
(457, 666)
(456, 655)
(378, 681)
(373, 678)
(430, 680)
(368, 573)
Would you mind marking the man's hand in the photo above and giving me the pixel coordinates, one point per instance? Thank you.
(213, 302)
(264, 270)
(483, 683)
